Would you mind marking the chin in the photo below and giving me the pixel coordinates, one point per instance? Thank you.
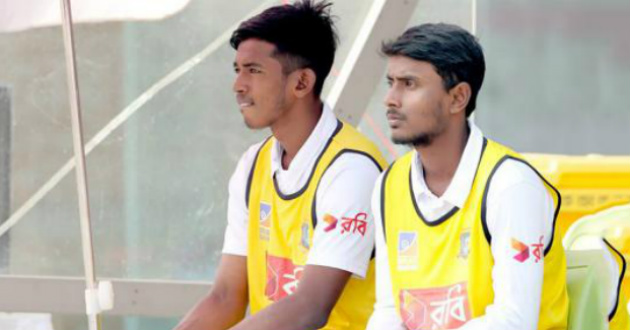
(253, 124)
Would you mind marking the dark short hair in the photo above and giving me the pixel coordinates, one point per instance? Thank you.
(304, 35)
(455, 54)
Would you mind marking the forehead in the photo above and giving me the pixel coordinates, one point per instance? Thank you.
(406, 66)
(254, 50)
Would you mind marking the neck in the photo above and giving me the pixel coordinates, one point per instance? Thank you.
(294, 128)
(441, 158)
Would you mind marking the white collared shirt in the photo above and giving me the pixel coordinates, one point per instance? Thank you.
(344, 191)
(519, 206)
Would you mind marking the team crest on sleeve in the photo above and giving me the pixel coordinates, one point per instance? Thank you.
(408, 250)
(265, 220)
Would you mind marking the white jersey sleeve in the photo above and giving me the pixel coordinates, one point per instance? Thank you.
(235, 239)
(344, 234)
(519, 208)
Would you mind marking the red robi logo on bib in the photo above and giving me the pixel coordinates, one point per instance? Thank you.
(435, 308)
(282, 277)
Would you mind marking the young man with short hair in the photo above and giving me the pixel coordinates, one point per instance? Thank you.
(464, 226)
(300, 238)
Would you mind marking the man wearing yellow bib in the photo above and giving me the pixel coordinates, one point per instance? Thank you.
(300, 237)
(464, 226)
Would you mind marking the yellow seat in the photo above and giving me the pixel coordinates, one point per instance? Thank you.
(587, 184)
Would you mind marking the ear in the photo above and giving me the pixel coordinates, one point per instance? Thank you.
(303, 82)
(460, 96)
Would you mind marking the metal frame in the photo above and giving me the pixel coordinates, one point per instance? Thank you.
(65, 295)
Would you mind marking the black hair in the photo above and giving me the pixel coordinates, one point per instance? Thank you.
(455, 54)
(303, 33)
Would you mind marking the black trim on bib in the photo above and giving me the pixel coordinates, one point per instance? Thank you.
(303, 189)
(383, 183)
(419, 213)
(623, 272)
(485, 200)
(454, 210)
(339, 154)
(251, 172)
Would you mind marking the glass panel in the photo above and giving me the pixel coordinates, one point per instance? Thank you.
(374, 123)
(35, 142)
(556, 72)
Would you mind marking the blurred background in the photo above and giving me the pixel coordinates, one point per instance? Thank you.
(166, 134)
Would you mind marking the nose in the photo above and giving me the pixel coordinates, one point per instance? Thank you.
(239, 86)
(392, 99)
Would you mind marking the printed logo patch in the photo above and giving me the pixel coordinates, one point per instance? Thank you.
(522, 250)
(331, 222)
(408, 250)
(304, 240)
(282, 277)
(435, 308)
(265, 221)
(356, 224)
(464, 244)
(537, 248)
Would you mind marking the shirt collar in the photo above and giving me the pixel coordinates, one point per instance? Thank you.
(311, 149)
(459, 188)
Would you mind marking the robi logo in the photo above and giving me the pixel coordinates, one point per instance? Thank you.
(282, 277)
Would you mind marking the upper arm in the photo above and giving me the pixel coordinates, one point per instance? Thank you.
(520, 214)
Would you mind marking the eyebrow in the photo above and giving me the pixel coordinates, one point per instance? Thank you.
(249, 65)
(403, 77)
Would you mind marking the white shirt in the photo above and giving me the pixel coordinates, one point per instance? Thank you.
(518, 206)
(344, 191)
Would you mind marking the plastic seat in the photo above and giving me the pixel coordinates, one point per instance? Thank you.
(592, 279)
(587, 281)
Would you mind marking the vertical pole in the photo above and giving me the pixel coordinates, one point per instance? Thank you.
(5, 173)
(92, 309)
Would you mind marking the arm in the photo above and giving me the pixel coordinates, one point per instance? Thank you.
(226, 302)
(520, 208)
(384, 316)
(308, 307)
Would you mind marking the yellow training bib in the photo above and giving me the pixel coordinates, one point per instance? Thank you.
(442, 271)
(281, 229)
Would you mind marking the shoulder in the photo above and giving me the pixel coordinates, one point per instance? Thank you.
(514, 172)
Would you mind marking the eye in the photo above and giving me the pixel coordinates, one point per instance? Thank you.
(410, 83)
(237, 70)
(254, 70)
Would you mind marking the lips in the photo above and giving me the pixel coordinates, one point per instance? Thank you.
(394, 118)
(244, 102)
